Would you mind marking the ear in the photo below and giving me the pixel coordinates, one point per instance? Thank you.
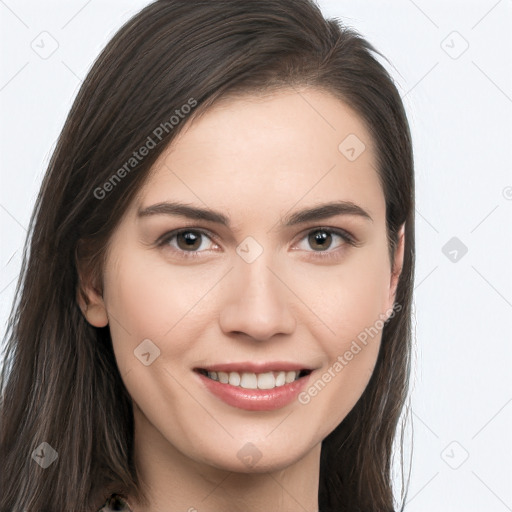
(397, 265)
(89, 297)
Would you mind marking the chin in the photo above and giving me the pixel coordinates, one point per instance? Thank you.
(256, 457)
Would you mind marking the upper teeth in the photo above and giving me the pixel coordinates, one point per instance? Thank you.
(247, 380)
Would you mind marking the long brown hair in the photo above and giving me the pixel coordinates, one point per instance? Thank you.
(59, 382)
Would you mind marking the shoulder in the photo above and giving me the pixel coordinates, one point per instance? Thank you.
(115, 503)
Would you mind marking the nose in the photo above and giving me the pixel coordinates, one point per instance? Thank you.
(257, 303)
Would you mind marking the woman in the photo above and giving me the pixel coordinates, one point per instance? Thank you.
(214, 309)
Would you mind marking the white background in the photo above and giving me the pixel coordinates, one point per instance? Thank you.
(459, 103)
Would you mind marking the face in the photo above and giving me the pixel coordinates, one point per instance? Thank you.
(246, 287)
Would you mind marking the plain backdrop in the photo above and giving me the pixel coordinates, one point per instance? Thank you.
(452, 62)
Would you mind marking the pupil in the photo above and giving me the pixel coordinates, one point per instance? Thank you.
(320, 237)
(190, 239)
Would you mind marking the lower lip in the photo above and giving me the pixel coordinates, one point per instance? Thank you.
(255, 399)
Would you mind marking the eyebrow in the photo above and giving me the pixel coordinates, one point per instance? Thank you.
(315, 213)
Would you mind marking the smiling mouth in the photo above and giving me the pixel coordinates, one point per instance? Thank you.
(249, 380)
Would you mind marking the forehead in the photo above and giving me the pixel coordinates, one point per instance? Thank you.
(270, 151)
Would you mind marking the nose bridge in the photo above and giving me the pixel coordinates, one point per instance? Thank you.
(259, 283)
(258, 303)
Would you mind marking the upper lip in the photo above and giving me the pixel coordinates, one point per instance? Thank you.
(253, 367)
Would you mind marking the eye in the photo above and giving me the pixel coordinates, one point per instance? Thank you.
(320, 240)
(188, 242)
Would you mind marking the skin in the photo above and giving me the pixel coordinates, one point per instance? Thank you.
(256, 159)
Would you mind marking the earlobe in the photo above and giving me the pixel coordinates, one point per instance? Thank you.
(89, 294)
(397, 265)
(96, 315)
(92, 305)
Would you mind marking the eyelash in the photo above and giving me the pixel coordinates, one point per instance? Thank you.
(323, 255)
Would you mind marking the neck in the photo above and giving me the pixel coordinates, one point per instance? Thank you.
(175, 483)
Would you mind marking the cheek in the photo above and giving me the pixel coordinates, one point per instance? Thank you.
(147, 299)
(352, 305)
(348, 297)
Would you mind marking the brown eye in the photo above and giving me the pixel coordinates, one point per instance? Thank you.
(189, 240)
(326, 243)
(320, 240)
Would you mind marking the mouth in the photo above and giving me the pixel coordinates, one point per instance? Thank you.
(252, 380)
(255, 387)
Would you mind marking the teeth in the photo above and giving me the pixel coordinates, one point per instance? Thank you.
(249, 380)
(290, 377)
(234, 378)
(266, 381)
(281, 379)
